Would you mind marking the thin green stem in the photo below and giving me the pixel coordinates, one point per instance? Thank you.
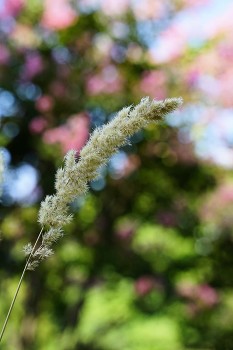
(19, 285)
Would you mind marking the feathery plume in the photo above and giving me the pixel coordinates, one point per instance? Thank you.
(71, 180)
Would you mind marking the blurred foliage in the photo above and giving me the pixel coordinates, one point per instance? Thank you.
(147, 261)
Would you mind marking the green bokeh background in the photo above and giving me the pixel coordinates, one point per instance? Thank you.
(140, 267)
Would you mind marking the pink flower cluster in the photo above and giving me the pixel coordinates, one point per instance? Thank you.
(108, 81)
(10, 8)
(217, 209)
(145, 284)
(72, 135)
(149, 9)
(191, 26)
(212, 74)
(113, 7)
(200, 297)
(4, 54)
(38, 125)
(153, 83)
(195, 3)
(44, 103)
(58, 15)
(33, 65)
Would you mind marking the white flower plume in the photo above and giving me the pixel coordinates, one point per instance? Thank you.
(71, 180)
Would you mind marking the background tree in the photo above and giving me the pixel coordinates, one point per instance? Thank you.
(147, 262)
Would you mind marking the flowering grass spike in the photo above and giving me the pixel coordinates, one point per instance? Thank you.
(72, 179)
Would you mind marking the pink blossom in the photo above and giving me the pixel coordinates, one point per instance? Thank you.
(191, 77)
(4, 55)
(170, 45)
(218, 206)
(58, 15)
(207, 295)
(72, 135)
(153, 83)
(113, 7)
(10, 7)
(217, 82)
(144, 285)
(225, 194)
(225, 50)
(149, 9)
(44, 103)
(208, 62)
(203, 295)
(194, 3)
(33, 65)
(108, 81)
(226, 88)
(37, 125)
(197, 24)
(190, 26)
